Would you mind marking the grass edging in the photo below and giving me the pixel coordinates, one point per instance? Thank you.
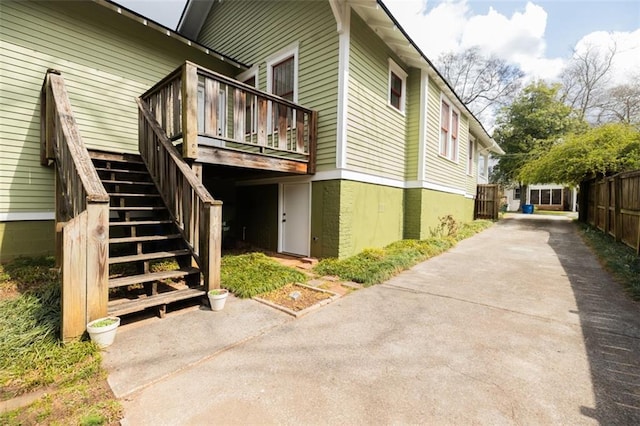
(374, 266)
(617, 258)
(32, 358)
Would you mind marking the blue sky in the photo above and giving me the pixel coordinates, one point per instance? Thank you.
(539, 36)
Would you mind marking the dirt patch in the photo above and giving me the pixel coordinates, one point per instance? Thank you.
(307, 297)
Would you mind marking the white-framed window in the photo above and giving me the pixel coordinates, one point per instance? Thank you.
(482, 165)
(397, 86)
(449, 127)
(282, 79)
(471, 156)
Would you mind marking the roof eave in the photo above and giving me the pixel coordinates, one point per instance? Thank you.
(193, 16)
(143, 20)
(404, 46)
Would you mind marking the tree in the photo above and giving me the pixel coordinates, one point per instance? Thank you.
(623, 104)
(600, 151)
(481, 82)
(528, 128)
(585, 80)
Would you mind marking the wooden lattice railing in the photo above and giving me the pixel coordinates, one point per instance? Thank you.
(197, 214)
(203, 107)
(82, 212)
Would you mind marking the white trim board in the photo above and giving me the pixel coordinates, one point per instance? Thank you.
(23, 216)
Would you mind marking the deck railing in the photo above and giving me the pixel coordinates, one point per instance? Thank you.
(82, 212)
(197, 214)
(202, 107)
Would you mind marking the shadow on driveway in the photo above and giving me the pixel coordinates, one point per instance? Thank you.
(610, 323)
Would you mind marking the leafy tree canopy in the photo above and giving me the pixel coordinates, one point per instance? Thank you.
(529, 127)
(604, 150)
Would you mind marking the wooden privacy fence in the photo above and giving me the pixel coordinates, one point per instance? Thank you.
(82, 212)
(196, 213)
(487, 202)
(202, 107)
(612, 205)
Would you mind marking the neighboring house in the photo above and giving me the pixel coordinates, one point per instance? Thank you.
(397, 149)
(544, 197)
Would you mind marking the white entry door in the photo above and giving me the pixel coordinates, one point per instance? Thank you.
(295, 218)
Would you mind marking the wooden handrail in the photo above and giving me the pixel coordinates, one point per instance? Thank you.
(223, 79)
(195, 104)
(82, 212)
(196, 213)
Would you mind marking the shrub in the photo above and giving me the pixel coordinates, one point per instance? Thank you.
(373, 266)
(247, 275)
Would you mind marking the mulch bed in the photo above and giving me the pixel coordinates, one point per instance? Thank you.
(308, 297)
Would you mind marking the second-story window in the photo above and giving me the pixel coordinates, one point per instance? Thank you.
(283, 79)
(449, 125)
(397, 86)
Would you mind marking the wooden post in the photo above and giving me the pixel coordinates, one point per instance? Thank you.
(607, 206)
(211, 243)
(313, 140)
(262, 121)
(617, 215)
(74, 296)
(97, 249)
(60, 218)
(189, 111)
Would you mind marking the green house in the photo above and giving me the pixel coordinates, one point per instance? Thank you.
(304, 127)
(396, 148)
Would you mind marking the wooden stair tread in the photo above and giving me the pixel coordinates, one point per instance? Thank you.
(130, 194)
(136, 305)
(111, 157)
(107, 169)
(148, 256)
(127, 182)
(139, 222)
(137, 208)
(152, 276)
(144, 238)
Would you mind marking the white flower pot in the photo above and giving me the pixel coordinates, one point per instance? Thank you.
(216, 301)
(104, 335)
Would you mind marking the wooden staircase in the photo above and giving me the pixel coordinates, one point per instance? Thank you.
(150, 264)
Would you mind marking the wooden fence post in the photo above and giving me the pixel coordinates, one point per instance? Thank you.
(190, 111)
(617, 188)
(97, 249)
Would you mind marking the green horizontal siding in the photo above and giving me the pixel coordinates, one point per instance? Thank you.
(413, 124)
(251, 31)
(376, 132)
(440, 170)
(106, 60)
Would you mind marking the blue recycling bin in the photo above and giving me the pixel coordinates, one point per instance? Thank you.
(527, 209)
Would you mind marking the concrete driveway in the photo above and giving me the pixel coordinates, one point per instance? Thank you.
(517, 325)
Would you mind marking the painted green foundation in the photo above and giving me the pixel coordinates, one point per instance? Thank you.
(424, 207)
(26, 238)
(325, 218)
(348, 217)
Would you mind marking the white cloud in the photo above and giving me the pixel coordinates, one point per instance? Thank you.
(451, 26)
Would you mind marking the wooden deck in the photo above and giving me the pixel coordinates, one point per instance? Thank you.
(217, 120)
